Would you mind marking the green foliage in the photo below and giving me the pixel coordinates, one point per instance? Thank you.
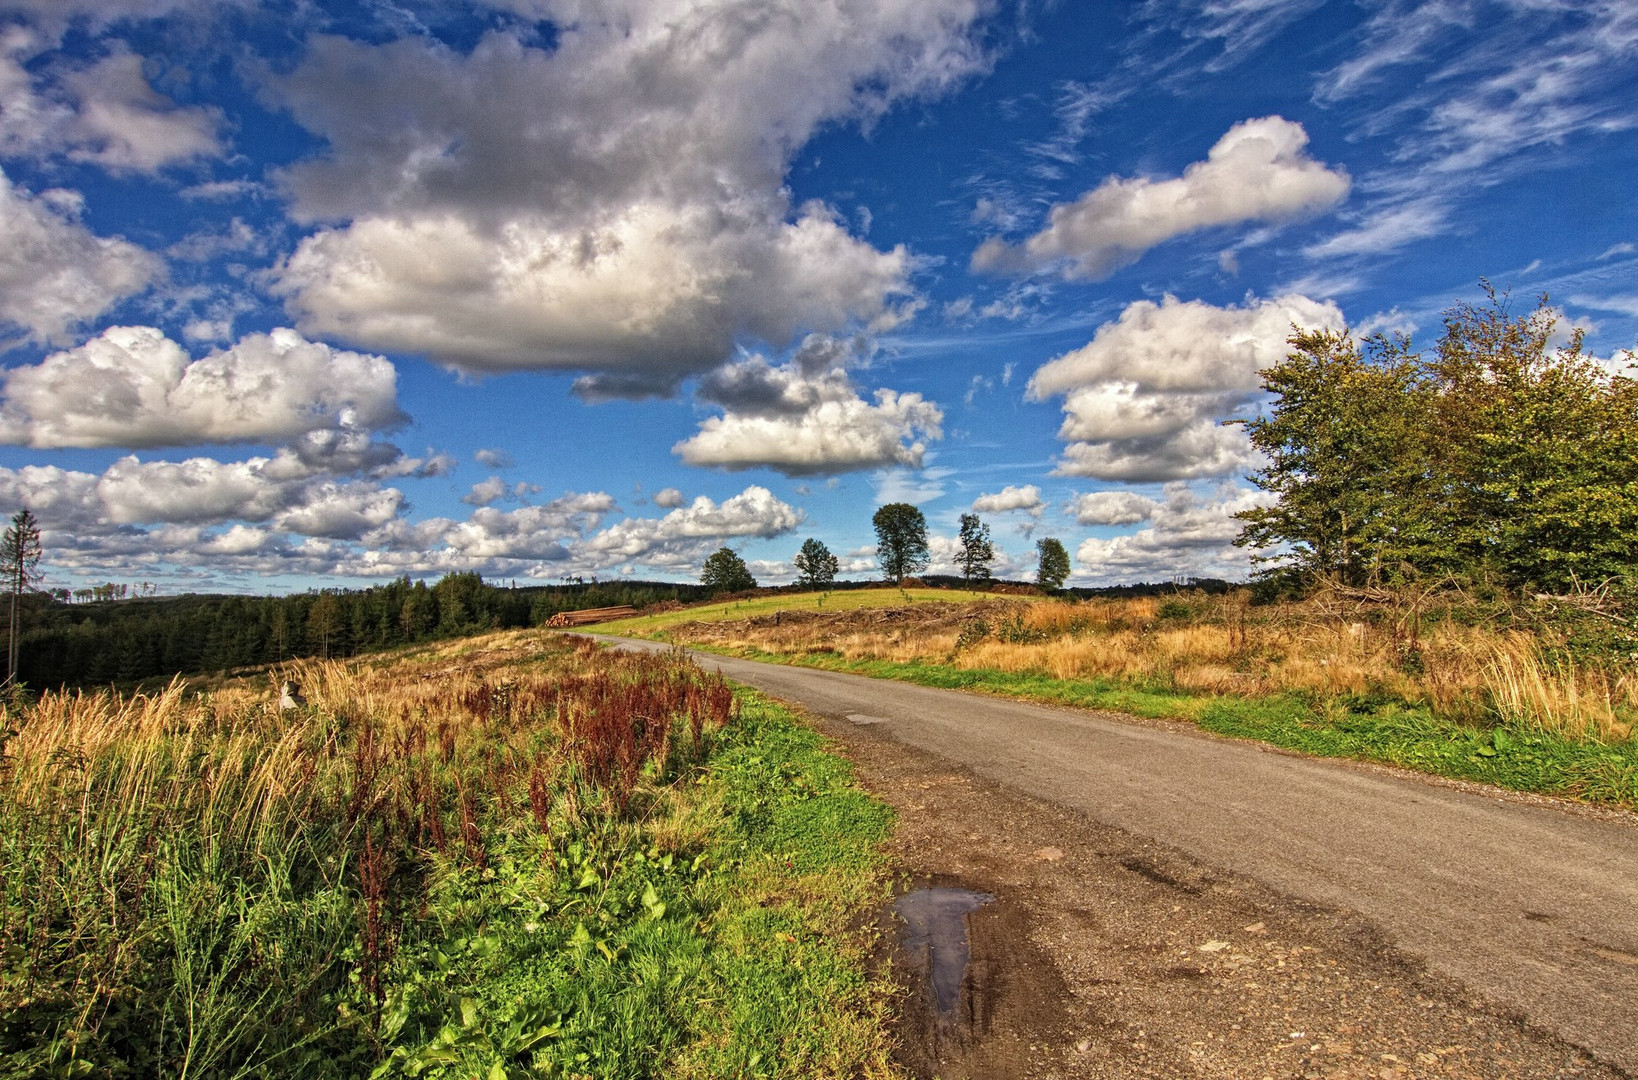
(726, 572)
(977, 552)
(1054, 564)
(901, 540)
(123, 641)
(1497, 457)
(443, 900)
(816, 567)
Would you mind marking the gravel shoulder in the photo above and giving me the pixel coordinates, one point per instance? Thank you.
(1106, 955)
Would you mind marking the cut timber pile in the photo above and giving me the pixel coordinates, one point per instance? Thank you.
(590, 615)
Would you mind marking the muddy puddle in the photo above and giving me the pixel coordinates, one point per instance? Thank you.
(934, 937)
(975, 988)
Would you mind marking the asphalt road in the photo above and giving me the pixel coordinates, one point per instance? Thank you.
(1535, 907)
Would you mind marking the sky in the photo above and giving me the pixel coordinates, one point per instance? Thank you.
(301, 293)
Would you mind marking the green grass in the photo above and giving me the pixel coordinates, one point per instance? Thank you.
(1377, 729)
(621, 956)
(167, 910)
(841, 600)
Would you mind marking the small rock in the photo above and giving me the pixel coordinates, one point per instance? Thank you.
(1214, 946)
(1049, 854)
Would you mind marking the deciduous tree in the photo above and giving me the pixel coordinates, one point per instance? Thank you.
(901, 540)
(1054, 566)
(1497, 457)
(977, 552)
(815, 565)
(726, 572)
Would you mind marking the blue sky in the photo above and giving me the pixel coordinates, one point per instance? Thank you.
(314, 293)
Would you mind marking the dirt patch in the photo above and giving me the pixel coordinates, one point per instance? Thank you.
(1105, 955)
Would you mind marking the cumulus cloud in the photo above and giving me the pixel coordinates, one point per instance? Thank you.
(1113, 508)
(802, 421)
(1191, 534)
(668, 498)
(104, 114)
(121, 124)
(1259, 171)
(131, 386)
(1144, 400)
(1026, 498)
(615, 202)
(54, 272)
(494, 489)
(495, 459)
(686, 534)
(485, 492)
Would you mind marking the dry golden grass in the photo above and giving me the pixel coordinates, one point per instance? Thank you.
(1225, 645)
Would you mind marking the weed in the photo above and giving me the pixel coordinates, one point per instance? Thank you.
(492, 858)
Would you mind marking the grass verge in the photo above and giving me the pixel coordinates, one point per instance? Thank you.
(501, 860)
(1520, 757)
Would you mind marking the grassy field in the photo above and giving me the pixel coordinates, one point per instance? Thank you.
(509, 857)
(1456, 690)
(841, 600)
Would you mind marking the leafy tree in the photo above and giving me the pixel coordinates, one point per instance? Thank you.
(976, 552)
(1497, 457)
(726, 572)
(325, 622)
(1054, 564)
(901, 540)
(20, 553)
(1343, 442)
(815, 564)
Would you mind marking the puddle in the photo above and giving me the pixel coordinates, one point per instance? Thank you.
(935, 936)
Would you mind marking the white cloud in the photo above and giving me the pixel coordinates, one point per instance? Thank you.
(910, 485)
(104, 114)
(495, 459)
(1113, 508)
(615, 202)
(685, 535)
(54, 272)
(668, 498)
(485, 492)
(342, 511)
(803, 422)
(1614, 250)
(1190, 535)
(1258, 171)
(122, 125)
(1009, 498)
(1144, 400)
(494, 489)
(131, 386)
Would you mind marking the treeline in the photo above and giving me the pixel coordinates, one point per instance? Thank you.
(1496, 458)
(83, 644)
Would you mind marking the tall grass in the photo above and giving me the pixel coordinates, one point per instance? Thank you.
(205, 886)
(1462, 667)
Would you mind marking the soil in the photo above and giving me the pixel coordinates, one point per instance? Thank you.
(1106, 955)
